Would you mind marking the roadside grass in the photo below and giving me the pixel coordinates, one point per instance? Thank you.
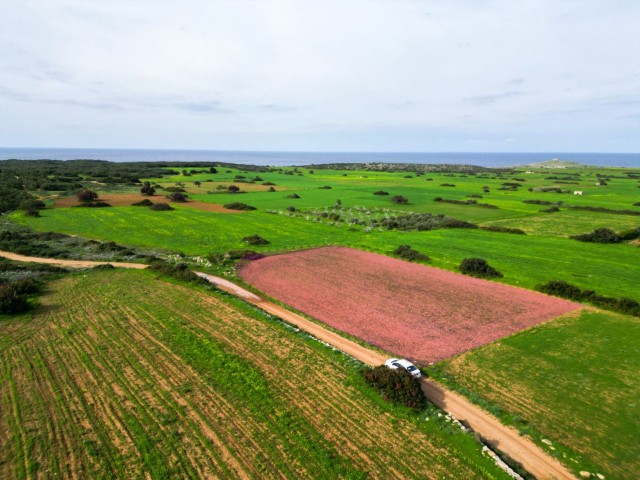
(123, 374)
(573, 381)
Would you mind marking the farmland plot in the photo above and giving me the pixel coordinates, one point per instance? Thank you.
(412, 310)
(122, 375)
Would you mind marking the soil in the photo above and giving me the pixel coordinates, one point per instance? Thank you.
(419, 312)
(128, 199)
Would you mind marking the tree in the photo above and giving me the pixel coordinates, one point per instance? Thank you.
(87, 195)
(177, 197)
(147, 189)
(399, 199)
(478, 267)
(233, 189)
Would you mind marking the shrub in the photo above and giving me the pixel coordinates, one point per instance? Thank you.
(496, 228)
(271, 189)
(161, 207)
(408, 253)
(177, 197)
(32, 204)
(478, 267)
(179, 271)
(293, 195)
(552, 209)
(560, 288)
(326, 187)
(599, 235)
(32, 212)
(631, 234)
(12, 302)
(147, 189)
(238, 206)
(255, 240)
(233, 189)
(268, 183)
(143, 203)
(399, 199)
(94, 204)
(447, 185)
(396, 386)
(381, 192)
(175, 189)
(86, 195)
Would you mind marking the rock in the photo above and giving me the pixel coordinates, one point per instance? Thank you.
(548, 442)
(585, 474)
(600, 476)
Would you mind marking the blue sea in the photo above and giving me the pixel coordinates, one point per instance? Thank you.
(482, 159)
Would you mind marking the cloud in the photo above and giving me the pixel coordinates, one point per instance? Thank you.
(487, 99)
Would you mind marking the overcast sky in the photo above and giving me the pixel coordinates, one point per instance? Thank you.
(319, 75)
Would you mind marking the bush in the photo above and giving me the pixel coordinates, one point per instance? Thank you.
(293, 195)
(268, 183)
(396, 386)
(94, 204)
(238, 206)
(179, 272)
(381, 192)
(271, 189)
(496, 228)
(177, 197)
(399, 199)
(631, 234)
(560, 288)
(147, 189)
(87, 195)
(599, 235)
(12, 302)
(161, 207)
(233, 189)
(175, 189)
(255, 240)
(143, 203)
(478, 267)
(325, 187)
(408, 253)
(552, 209)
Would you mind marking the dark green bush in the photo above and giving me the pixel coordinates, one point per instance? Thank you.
(238, 206)
(399, 199)
(599, 235)
(179, 272)
(478, 267)
(551, 209)
(293, 195)
(560, 288)
(325, 187)
(408, 253)
(381, 192)
(94, 204)
(87, 195)
(12, 302)
(143, 203)
(177, 197)
(497, 228)
(255, 240)
(161, 207)
(631, 234)
(396, 386)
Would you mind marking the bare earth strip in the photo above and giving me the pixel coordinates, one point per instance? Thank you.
(419, 312)
(128, 199)
(533, 459)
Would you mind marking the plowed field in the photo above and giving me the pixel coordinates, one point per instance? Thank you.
(121, 375)
(416, 311)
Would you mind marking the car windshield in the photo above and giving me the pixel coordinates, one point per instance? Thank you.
(411, 368)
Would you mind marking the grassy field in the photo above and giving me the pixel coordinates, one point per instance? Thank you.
(573, 381)
(119, 374)
(525, 260)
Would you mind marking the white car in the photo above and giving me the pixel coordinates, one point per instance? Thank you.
(396, 363)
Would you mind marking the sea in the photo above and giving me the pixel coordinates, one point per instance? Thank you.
(482, 159)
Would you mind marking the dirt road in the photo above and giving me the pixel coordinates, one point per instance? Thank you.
(507, 439)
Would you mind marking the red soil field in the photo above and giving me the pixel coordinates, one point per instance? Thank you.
(418, 312)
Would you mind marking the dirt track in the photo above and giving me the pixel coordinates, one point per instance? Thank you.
(507, 439)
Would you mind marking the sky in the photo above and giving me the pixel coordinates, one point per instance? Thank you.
(322, 75)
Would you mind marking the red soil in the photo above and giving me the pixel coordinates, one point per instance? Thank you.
(419, 312)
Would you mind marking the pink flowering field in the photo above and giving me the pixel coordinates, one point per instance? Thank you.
(414, 311)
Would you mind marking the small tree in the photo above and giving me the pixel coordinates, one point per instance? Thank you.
(478, 267)
(87, 195)
(255, 240)
(399, 199)
(233, 189)
(177, 197)
(397, 386)
(147, 189)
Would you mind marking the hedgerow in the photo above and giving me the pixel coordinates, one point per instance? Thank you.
(396, 386)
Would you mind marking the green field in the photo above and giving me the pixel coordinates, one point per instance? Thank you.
(119, 374)
(573, 381)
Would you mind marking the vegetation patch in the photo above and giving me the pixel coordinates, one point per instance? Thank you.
(396, 386)
(478, 267)
(238, 206)
(407, 253)
(560, 288)
(599, 235)
(255, 240)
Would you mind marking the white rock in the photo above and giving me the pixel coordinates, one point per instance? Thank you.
(600, 476)
(585, 474)
(548, 442)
